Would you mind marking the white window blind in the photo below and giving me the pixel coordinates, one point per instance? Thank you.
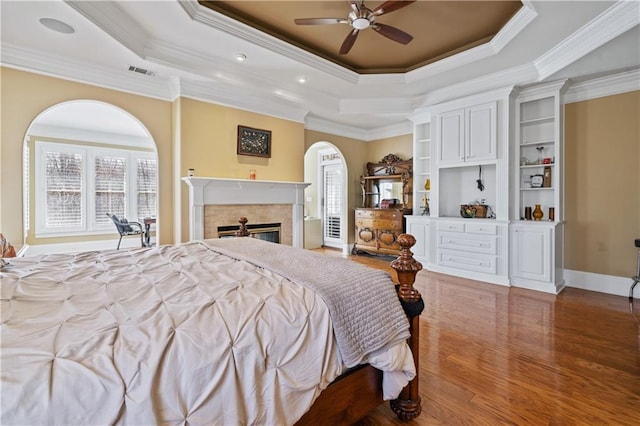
(332, 201)
(63, 189)
(147, 173)
(110, 187)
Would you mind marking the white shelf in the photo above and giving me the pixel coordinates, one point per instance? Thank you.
(537, 166)
(537, 143)
(540, 120)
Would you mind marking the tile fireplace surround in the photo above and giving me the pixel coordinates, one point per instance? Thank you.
(217, 202)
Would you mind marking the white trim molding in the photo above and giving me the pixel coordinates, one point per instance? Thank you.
(628, 81)
(609, 284)
(614, 21)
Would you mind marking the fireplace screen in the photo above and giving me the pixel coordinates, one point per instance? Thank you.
(264, 231)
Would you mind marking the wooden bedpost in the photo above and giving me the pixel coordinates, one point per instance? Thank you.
(408, 404)
(243, 231)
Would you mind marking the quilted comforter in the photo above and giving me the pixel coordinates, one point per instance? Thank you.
(172, 335)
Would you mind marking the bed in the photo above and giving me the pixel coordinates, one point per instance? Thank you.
(224, 331)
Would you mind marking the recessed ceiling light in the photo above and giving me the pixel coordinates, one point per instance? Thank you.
(302, 79)
(240, 57)
(57, 26)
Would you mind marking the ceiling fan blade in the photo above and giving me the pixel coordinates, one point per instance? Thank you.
(349, 41)
(392, 33)
(320, 21)
(390, 6)
(355, 4)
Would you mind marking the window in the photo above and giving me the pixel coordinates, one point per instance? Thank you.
(78, 185)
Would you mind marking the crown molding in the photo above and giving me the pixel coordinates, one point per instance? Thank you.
(327, 126)
(366, 135)
(523, 74)
(247, 100)
(519, 22)
(628, 81)
(611, 23)
(223, 23)
(39, 62)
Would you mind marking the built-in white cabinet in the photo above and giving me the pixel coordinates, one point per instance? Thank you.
(539, 152)
(467, 134)
(536, 256)
(504, 149)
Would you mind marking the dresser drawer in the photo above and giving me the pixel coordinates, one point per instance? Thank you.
(387, 214)
(364, 214)
(470, 262)
(468, 242)
(481, 228)
(364, 223)
(451, 226)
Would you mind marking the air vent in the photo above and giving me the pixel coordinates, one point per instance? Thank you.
(141, 71)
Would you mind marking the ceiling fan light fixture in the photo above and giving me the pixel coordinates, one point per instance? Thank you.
(360, 23)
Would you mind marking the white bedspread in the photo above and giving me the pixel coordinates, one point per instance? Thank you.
(171, 335)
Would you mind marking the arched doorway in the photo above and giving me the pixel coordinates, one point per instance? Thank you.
(83, 159)
(326, 197)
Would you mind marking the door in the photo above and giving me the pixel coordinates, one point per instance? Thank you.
(332, 205)
(480, 132)
(531, 252)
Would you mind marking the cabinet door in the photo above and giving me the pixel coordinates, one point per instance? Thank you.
(420, 231)
(480, 131)
(451, 137)
(531, 252)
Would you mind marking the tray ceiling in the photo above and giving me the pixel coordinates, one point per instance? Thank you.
(439, 29)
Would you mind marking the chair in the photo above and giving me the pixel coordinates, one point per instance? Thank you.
(125, 229)
(635, 279)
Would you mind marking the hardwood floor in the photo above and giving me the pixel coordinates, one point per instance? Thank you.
(496, 355)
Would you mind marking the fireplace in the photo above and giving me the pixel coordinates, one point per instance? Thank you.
(216, 202)
(262, 231)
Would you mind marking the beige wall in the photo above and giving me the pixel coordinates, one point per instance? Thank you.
(602, 184)
(25, 95)
(402, 146)
(208, 143)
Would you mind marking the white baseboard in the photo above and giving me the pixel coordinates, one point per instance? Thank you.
(76, 247)
(609, 284)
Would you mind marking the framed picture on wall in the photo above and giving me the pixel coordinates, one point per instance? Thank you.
(254, 142)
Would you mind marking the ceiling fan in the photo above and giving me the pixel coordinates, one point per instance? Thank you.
(360, 18)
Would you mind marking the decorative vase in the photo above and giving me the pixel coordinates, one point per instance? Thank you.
(527, 213)
(427, 184)
(537, 212)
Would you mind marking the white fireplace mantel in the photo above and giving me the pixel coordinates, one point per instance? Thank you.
(219, 191)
